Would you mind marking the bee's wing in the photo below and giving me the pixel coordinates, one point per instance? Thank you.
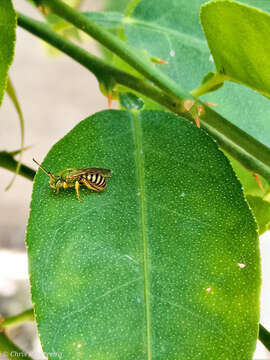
(78, 172)
(101, 171)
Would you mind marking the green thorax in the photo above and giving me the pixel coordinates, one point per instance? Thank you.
(63, 175)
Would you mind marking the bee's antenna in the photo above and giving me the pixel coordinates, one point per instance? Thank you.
(42, 168)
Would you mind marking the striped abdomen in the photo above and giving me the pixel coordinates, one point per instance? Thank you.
(96, 180)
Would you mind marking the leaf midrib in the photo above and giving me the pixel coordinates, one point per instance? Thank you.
(142, 205)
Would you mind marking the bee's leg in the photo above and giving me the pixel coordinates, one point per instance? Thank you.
(58, 186)
(89, 186)
(77, 187)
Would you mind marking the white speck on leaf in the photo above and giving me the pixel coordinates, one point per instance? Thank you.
(211, 58)
(208, 289)
(79, 345)
(242, 266)
(182, 195)
(138, 299)
(172, 52)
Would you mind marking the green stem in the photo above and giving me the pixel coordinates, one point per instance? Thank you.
(10, 350)
(247, 150)
(13, 96)
(206, 87)
(132, 56)
(8, 162)
(264, 337)
(27, 315)
(252, 154)
(99, 67)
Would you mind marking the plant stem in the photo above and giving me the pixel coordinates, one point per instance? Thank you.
(264, 337)
(131, 55)
(99, 67)
(27, 315)
(10, 350)
(252, 154)
(13, 96)
(8, 162)
(247, 150)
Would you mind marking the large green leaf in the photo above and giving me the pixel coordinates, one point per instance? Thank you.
(164, 264)
(7, 41)
(237, 36)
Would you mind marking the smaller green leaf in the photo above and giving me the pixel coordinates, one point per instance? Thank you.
(256, 196)
(7, 41)
(248, 181)
(237, 37)
(261, 211)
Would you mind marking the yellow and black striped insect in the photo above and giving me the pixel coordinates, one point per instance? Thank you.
(92, 178)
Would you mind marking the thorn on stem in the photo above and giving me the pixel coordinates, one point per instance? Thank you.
(163, 62)
(159, 61)
(210, 104)
(197, 121)
(109, 100)
(200, 110)
(44, 9)
(258, 180)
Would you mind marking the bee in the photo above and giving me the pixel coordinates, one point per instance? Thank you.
(92, 178)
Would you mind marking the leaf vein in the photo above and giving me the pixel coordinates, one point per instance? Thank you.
(140, 167)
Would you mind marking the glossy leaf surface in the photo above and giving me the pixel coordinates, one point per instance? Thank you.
(163, 264)
(236, 35)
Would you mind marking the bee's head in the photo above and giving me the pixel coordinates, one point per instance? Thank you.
(52, 180)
